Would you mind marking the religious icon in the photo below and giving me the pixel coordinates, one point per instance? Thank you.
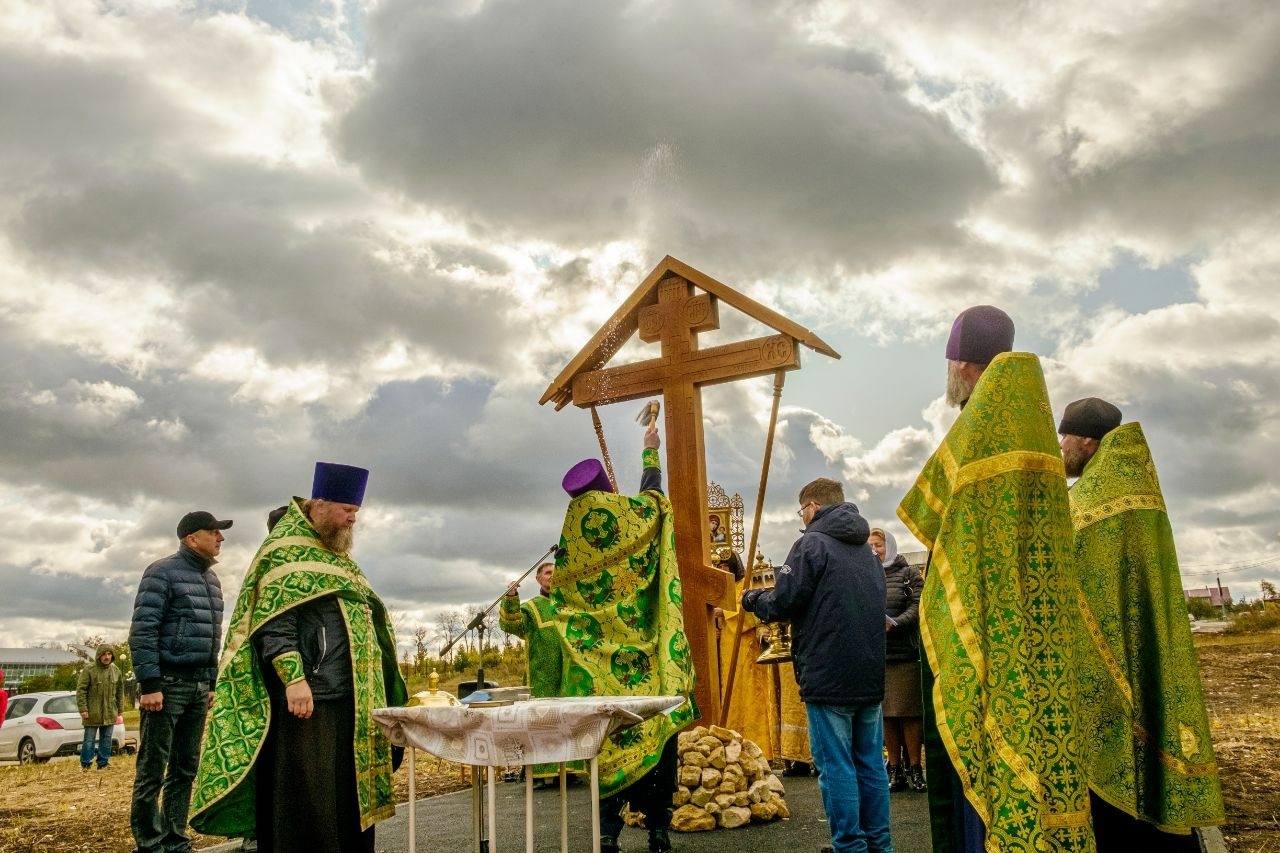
(724, 521)
(719, 530)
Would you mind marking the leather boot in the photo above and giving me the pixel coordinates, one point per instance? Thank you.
(915, 778)
(659, 841)
(897, 781)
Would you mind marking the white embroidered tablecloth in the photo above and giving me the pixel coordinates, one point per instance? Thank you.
(535, 731)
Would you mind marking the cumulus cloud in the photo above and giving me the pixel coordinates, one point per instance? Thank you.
(735, 139)
(239, 236)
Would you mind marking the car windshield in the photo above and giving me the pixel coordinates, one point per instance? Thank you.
(61, 705)
(19, 707)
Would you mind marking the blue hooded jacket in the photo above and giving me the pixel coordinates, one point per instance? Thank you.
(831, 589)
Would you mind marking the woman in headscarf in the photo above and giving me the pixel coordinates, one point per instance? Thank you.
(903, 731)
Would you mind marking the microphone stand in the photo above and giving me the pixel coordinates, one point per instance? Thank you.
(477, 625)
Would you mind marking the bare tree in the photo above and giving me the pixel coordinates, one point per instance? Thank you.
(420, 646)
(449, 625)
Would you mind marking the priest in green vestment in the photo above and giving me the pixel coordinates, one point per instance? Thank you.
(534, 622)
(1150, 757)
(616, 595)
(997, 619)
(291, 752)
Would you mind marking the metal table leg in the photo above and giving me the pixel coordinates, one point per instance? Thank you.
(595, 804)
(528, 809)
(493, 812)
(564, 810)
(413, 803)
(477, 813)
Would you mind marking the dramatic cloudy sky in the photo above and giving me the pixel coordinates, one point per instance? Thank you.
(237, 236)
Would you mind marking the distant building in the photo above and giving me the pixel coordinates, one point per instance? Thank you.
(21, 664)
(916, 558)
(1216, 596)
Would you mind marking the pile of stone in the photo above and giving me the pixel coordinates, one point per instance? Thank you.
(725, 781)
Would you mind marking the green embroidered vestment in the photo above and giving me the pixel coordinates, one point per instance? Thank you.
(616, 595)
(1151, 755)
(997, 616)
(534, 622)
(291, 568)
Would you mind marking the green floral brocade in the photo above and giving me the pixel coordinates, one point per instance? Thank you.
(534, 622)
(292, 568)
(997, 614)
(616, 596)
(1152, 756)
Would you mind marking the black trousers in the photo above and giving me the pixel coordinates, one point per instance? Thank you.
(306, 792)
(650, 794)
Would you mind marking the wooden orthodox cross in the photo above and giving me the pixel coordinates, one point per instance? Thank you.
(671, 306)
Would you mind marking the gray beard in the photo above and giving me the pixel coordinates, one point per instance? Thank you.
(958, 390)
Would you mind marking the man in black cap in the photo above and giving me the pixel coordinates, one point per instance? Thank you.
(1149, 754)
(292, 755)
(174, 638)
(1084, 424)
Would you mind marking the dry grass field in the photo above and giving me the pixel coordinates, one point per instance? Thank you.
(1242, 688)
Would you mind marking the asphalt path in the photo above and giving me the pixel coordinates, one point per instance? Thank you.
(444, 825)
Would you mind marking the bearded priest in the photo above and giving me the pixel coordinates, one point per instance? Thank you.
(291, 753)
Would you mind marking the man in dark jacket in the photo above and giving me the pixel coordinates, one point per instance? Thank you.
(831, 588)
(174, 638)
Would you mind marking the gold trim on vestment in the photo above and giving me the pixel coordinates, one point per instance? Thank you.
(237, 640)
(1173, 762)
(944, 727)
(1060, 820)
(949, 465)
(915, 531)
(964, 630)
(1103, 647)
(1083, 517)
(931, 500)
(959, 616)
(1018, 460)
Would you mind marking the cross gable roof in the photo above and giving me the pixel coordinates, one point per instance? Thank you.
(619, 328)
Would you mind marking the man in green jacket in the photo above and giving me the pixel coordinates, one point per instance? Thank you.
(534, 622)
(99, 696)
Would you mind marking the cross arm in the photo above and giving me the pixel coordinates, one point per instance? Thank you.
(743, 360)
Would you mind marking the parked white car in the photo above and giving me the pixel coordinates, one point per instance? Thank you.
(40, 726)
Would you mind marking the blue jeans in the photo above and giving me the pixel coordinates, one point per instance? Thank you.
(103, 735)
(847, 743)
(168, 755)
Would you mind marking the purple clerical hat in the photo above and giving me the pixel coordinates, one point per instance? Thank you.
(587, 476)
(979, 334)
(341, 484)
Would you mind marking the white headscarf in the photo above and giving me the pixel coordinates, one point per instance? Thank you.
(890, 546)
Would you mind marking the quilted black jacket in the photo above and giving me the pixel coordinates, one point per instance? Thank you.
(177, 621)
